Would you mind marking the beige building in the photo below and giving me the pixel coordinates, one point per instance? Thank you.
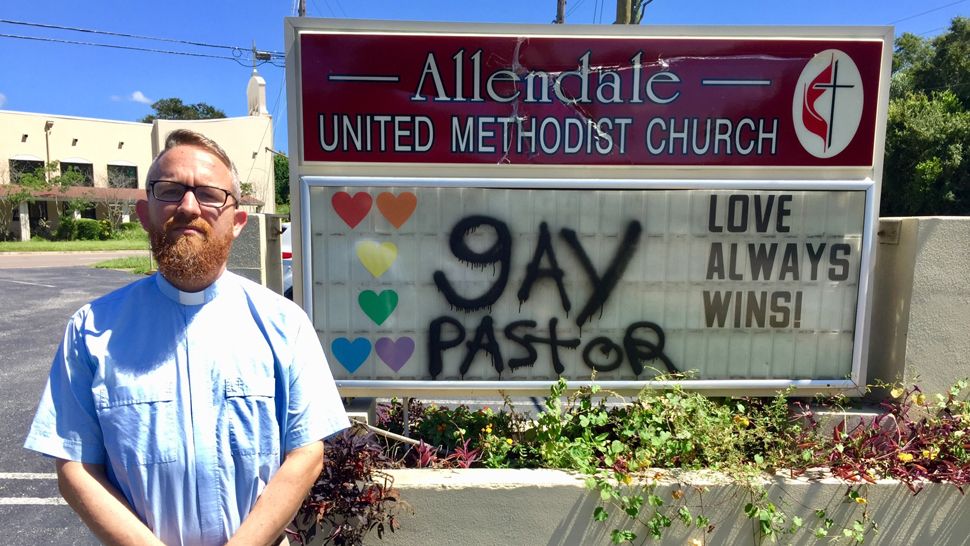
(114, 156)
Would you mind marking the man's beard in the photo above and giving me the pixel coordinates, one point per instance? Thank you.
(189, 259)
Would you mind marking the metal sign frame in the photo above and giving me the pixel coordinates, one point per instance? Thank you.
(854, 381)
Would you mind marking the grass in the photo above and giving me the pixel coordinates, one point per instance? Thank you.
(133, 237)
(73, 246)
(138, 265)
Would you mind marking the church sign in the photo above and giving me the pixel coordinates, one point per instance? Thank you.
(490, 208)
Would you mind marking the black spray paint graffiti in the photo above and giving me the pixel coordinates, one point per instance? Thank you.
(601, 354)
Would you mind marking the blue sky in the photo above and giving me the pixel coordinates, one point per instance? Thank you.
(99, 82)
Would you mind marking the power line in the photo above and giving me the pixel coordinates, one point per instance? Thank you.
(927, 11)
(320, 11)
(932, 30)
(574, 7)
(340, 7)
(126, 35)
(134, 48)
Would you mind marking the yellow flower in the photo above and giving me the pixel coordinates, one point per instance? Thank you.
(905, 457)
(508, 441)
(931, 453)
(896, 392)
(488, 429)
(741, 421)
(861, 500)
(919, 399)
(627, 479)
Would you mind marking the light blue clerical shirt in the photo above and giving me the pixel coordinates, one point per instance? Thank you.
(189, 400)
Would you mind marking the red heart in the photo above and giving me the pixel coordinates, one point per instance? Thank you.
(351, 209)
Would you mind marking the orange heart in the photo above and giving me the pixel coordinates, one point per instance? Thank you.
(397, 209)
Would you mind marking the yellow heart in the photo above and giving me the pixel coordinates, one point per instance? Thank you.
(376, 257)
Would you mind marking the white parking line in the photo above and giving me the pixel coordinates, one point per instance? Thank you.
(29, 283)
(27, 476)
(31, 501)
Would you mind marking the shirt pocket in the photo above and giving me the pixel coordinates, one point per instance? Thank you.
(139, 424)
(251, 413)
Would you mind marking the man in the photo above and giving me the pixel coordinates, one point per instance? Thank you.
(188, 408)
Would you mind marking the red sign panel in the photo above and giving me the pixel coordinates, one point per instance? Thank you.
(589, 101)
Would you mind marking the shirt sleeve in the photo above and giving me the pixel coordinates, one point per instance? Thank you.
(66, 423)
(314, 409)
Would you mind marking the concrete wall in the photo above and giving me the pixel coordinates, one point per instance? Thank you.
(99, 142)
(921, 302)
(553, 508)
(256, 252)
(247, 140)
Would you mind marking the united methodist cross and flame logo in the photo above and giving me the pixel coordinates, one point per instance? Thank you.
(828, 103)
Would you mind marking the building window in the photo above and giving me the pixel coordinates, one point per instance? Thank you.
(19, 167)
(122, 176)
(86, 170)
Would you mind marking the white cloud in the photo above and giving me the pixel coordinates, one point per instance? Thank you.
(140, 97)
(3, 100)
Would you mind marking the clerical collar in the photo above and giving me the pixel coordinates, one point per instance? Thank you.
(190, 298)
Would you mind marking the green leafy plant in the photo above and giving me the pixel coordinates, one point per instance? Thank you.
(635, 452)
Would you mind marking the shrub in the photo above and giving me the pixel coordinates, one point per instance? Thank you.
(129, 231)
(67, 229)
(105, 231)
(352, 496)
(88, 230)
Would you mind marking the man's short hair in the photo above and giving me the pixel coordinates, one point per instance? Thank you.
(187, 137)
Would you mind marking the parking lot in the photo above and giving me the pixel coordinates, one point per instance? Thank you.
(36, 303)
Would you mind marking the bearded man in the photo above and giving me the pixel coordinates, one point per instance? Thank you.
(189, 407)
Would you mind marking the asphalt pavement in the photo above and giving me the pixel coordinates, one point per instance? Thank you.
(36, 299)
(35, 260)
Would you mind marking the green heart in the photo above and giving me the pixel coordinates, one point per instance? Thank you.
(378, 307)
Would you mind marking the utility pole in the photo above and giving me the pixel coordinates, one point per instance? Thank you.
(301, 8)
(560, 12)
(623, 12)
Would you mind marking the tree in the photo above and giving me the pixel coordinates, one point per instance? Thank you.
(10, 205)
(116, 209)
(28, 184)
(927, 167)
(174, 108)
(949, 66)
(911, 53)
(927, 144)
(281, 172)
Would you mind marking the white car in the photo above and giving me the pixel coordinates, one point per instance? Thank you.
(286, 253)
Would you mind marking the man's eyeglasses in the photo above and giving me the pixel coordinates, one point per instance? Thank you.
(173, 192)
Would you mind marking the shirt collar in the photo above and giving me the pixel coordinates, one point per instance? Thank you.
(192, 298)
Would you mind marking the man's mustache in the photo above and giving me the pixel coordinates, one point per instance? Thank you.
(197, 223)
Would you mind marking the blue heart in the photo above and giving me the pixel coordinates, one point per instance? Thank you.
(351, 354)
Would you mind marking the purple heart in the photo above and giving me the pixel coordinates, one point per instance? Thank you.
(395, 353)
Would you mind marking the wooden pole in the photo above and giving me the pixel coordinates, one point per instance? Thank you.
(623, 9)
(560, 12)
